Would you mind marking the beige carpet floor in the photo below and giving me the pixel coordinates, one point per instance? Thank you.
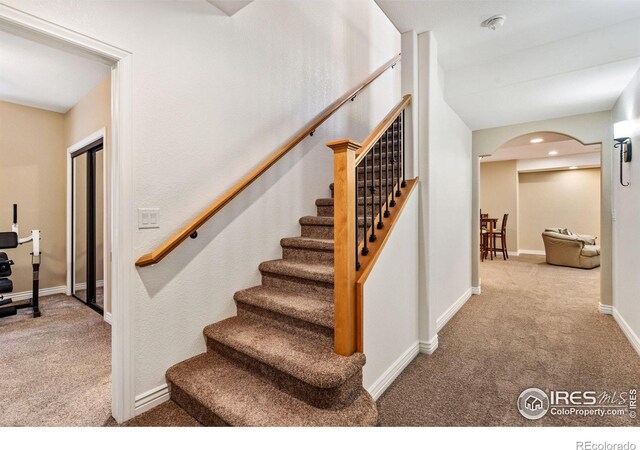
(534, 325)
(55, 370)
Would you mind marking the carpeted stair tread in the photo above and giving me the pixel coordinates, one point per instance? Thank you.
(309, 359)
(326, 221)
(240, 399)
(307, 243)
(291, 268)
(299, 305)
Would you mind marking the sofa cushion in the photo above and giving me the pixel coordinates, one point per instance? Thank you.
(590, 250)
(588, 240)
(557, 235)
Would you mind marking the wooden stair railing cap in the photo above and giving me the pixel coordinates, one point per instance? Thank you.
(170, 244)
(381, 128)
(344, 145)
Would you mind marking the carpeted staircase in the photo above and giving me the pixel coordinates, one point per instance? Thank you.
(273, 364)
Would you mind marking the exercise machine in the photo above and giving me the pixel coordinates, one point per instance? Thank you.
(11, 239)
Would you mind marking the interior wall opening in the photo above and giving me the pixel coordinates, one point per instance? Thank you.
(51, 101)
(540, 197)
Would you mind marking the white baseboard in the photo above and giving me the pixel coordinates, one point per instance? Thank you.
(476, 290)
(107, 317)
(429, 346)
(152, 398)
(389, 375)
(605, 309)
(532, 252)
(453, 309)
(628, 332)
(26, 295)
(83, 286)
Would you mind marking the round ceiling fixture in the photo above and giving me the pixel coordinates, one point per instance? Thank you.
(494, 22)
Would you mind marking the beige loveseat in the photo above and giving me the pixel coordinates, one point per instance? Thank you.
(564, 248)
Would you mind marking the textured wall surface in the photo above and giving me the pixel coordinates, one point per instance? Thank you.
(445, 171)
(499, 196)
(33, 170)
(212, 97)
(559, 198)
(627, 211)
(391, 298)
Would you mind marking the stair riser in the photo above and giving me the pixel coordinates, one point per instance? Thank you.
(324, 232)
(281, 321)
(307, 255)
(331, 398)
(317, 231)
(376, 169)
(328, 211)
(195, 409)
(323, 290)
(361, 190)
(392, 165)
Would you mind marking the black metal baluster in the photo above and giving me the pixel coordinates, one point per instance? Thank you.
(404, 168)
(387, 213)
(356, 194)
(373, 236)
(393, 162)
(399, 192)
(380, 224)
(365, 248)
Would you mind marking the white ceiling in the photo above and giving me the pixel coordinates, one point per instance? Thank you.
(551, 58)
(33, 74)
(229, 7)
(521, 148)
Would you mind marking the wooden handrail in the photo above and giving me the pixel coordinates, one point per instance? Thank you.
(379, 130)
(169, 245)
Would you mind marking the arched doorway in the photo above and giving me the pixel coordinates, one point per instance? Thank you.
(542, 181)
(588, 129)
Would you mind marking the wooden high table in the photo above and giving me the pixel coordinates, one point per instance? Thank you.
(491, 223)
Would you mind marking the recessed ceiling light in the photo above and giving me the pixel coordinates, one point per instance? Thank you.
(536, 140)
(553, 152)
(573, 167)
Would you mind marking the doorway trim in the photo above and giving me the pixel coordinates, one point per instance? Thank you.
(121, 184)
(71, 217)
(587, 128)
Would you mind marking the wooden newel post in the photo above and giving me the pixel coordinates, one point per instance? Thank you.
(344, 235)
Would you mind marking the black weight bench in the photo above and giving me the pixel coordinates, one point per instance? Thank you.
(6, 285)
(7, 307)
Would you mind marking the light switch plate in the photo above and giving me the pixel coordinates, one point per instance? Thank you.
(148, 218)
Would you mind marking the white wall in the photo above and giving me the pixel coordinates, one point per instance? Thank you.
(626, 201)
(450, 210)
(391, 308)
(445, 170)
(559, 162)
(213, 96)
